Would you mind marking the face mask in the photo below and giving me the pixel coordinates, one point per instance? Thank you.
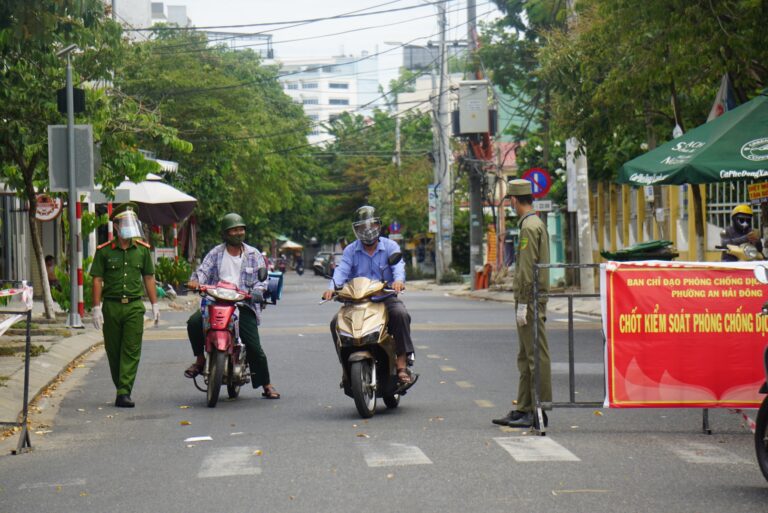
(234, 240)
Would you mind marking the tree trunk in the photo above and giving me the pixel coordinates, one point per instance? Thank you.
(37, 246)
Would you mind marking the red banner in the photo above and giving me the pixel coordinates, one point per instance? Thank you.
(683, 335)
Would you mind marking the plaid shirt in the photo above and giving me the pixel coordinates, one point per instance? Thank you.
(208, 271)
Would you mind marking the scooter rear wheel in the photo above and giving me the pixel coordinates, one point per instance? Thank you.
(218, 361)
(761, 437)
(362, 375)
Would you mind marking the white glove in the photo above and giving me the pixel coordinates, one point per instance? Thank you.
(156, 312)
(522, 313)
(98, 317)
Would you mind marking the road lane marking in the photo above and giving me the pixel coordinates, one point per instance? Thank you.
(701, 452)
(231, 461)
(177, 327)
(447, 368)
(535, 448)
(484, 403)
(434, 357)
(393, 455)
(465, 384)
(68, 482)
(580, 368)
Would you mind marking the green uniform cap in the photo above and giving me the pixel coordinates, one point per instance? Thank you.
(519, 187)
(130, 205)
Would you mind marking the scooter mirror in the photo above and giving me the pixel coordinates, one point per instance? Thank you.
(761, 273)
(394, 258)
(262, 273)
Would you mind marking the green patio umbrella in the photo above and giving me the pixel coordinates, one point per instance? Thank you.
(733, 147)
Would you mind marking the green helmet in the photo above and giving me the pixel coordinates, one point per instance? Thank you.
(230, 221)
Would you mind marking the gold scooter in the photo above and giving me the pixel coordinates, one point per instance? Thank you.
(745, 252)
(364, 346)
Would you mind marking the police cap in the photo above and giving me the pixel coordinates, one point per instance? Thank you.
(519, 187)
(130, 205)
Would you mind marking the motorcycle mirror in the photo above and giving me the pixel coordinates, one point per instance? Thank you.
(761, 273)
(262, 273)
(394, 258)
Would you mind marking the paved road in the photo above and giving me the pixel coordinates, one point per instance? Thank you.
(310, 452)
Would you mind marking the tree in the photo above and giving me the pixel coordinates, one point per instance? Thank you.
(30, 35)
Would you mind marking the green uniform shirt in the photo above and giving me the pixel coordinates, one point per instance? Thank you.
(532, 248)
(123, 269)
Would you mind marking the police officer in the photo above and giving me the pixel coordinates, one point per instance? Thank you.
(533, 248)
(119, 268)
(740, 232)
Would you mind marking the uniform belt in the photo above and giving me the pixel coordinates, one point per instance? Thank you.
(123, 300)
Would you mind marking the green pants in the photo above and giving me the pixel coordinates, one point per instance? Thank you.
(525, 363)
(123, 329)
(249, 334)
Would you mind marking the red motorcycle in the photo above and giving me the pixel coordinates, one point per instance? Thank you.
(225, 362)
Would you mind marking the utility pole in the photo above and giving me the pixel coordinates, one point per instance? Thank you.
(445, 177)
(476, 172)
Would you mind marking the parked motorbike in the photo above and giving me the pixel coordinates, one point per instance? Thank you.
(225, 361)
(761, 425)
(364, 346)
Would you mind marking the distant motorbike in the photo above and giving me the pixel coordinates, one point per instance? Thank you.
(299, 268)
(225, 361)
(761, 425)
(364, 346)
(281, 265)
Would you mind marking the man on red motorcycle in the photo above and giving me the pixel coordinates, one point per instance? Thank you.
(238, 263)
(368, 257)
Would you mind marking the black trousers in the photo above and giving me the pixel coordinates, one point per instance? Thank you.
(399, 325)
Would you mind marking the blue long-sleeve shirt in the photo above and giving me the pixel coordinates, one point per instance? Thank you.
(356, 262)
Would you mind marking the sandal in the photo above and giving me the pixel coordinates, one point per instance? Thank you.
(403, 377)
(270, 393)
(194, 370)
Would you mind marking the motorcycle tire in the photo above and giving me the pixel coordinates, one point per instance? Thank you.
(363, 392)
(761, 438)
(392, 401)
(218, 361)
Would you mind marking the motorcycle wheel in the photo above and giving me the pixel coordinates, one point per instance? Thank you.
(362, 375)
(218, 361)
(761, 438)
(392, 401)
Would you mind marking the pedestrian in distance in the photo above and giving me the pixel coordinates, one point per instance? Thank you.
(533, 248)
(236, 262)
(122, 269)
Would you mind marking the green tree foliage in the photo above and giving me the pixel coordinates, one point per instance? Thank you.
(30, 72)
(250, 154)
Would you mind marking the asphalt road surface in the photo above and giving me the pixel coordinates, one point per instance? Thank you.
(310, 451)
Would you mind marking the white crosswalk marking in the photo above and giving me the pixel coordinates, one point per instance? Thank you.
(391, 455)
(535, 448)
(231, 461)
(701, 452)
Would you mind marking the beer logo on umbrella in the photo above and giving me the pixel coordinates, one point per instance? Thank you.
(756, 150)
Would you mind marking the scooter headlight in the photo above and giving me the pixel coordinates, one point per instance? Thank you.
(371, 336)
(226, 294)
(750, 252)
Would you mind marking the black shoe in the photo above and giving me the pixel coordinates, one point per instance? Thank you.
(124, 401)
(524, 421)
(512, 415)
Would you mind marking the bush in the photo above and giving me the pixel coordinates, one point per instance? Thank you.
(175, 272)
(452, 276)
(60, 293)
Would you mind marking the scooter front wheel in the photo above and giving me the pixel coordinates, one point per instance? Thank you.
(761, 437)
(218, 361)
(363, 377)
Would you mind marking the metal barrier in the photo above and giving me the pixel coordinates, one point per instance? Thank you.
(572, 403)
(21, 288)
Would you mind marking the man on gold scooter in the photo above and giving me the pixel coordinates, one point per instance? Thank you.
(740, 232)
(368, 257)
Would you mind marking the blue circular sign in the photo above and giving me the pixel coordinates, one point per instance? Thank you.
(540, 180)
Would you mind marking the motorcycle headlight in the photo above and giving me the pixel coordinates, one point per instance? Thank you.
(370, 338)
(750, 252)
(346, 341)
(226, 294)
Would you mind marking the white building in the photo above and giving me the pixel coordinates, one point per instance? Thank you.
(326, 87)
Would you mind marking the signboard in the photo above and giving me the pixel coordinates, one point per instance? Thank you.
(394, 227)
(169, 253)
(432, 192)
(540, 180)
(683, 335)
(542, 206)
(48, 207)
(757, 191)
(58, 174)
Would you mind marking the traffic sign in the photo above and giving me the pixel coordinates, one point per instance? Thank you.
(394, 227)
(540, 180)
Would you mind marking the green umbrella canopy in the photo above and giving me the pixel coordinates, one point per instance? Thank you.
(733, 147)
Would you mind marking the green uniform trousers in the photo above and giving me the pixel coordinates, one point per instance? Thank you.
(525, 362)
(123, 329)
(249, 334)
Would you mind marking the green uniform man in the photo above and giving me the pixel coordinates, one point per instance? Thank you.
(533, 248)
(121, 269)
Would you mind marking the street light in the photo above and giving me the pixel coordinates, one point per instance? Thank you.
(73, 319)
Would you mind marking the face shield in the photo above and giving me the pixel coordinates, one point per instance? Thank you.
(128, 226)
(368, 230)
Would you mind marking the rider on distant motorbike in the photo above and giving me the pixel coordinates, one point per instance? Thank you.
(368, 257)
(740, 232)
(238, 263)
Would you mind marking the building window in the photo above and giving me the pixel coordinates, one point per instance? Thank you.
(309, 85)
(314, 117)
(338, 101)
(310, 101)
(315, 131)
(291, 85)
(338, 85)
(329, 69)
(333, 117)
